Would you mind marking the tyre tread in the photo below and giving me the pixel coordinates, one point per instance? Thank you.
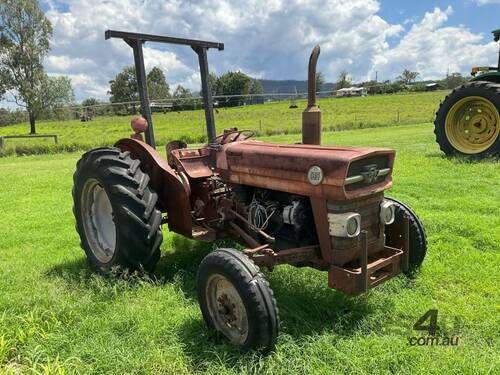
(139, 234)
(456, 94)
(254, 288)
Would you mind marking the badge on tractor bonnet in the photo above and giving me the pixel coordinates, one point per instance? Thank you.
(315, 175)
(369, 173)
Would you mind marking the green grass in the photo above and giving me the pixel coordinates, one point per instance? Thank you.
(266, 119)
(56, 316)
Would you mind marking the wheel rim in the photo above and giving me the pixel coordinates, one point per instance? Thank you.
(226, 309)
(97, 215)
(472, 125)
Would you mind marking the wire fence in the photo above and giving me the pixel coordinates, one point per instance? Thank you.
(102, 124)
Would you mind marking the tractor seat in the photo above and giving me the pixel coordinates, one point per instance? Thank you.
(195, 162)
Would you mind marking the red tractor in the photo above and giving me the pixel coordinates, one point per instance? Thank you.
(304, 204)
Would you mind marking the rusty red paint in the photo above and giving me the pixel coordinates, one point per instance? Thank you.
(311, 117)
(285, 167)
(187, 184)
(195, 188)
(355, 280)
(172, 195)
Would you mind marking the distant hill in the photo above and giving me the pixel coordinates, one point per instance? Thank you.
(271, 86)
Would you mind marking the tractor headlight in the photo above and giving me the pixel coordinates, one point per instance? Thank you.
(344, 225)
(387, 212)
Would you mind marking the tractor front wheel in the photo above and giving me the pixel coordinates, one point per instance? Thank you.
(236, 300)
(468, 120)
(418, 238)
(115, 211)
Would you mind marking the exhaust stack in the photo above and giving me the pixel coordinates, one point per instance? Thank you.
(311, 117)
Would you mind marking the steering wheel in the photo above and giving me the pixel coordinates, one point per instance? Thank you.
(233, 136)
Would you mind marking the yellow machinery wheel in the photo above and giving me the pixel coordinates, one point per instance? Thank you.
(468, 121)
(472, 125)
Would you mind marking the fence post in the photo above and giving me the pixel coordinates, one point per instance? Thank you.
(397, 120)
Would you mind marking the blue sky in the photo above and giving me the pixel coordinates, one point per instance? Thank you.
(273, 38)
(478, 16)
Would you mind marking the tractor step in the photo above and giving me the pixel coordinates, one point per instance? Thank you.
(203, 234)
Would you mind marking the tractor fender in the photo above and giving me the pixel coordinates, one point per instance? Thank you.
(173, 195)
(488, 76)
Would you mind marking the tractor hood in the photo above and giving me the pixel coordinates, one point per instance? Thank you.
(333, 173)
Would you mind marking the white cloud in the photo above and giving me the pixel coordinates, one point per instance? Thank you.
(269, 39)
(485, 2)
(167, 61)
(68, 63)
(85, 83)
(432, 49)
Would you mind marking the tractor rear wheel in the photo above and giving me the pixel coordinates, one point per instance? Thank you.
(236, 300)
(115, 211)
(468, 120)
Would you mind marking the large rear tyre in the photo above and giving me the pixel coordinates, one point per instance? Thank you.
(115, 211)
(236, 300)
(418, 238)
(468, 120)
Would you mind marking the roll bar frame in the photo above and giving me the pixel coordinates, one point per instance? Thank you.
(136, 40)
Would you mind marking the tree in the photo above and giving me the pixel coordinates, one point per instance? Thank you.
(407, 77)
(320, 81)
(453, 80)
(124, 88)
(182, 97)
(50, 96)
(233, 83)
(25, 35)
(212, 82)
(343, 80)
(372, 86)
(89, 102)
(389, 87)
(255, 87)
(157, 84)
(8, 116)
(181, 92)
(89, 109)
(55, 92)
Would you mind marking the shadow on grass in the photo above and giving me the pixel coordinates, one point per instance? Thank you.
(73, 272)
(307, 307)
(463, 159)
(307, 310)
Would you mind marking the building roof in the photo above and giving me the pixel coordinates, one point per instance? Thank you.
(351, 89)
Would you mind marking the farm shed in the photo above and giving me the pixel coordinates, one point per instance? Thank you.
(161, 107)
(432, 86)
(351, 91)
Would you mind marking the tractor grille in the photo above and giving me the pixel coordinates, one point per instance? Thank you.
(347, 249)
(358, 168)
